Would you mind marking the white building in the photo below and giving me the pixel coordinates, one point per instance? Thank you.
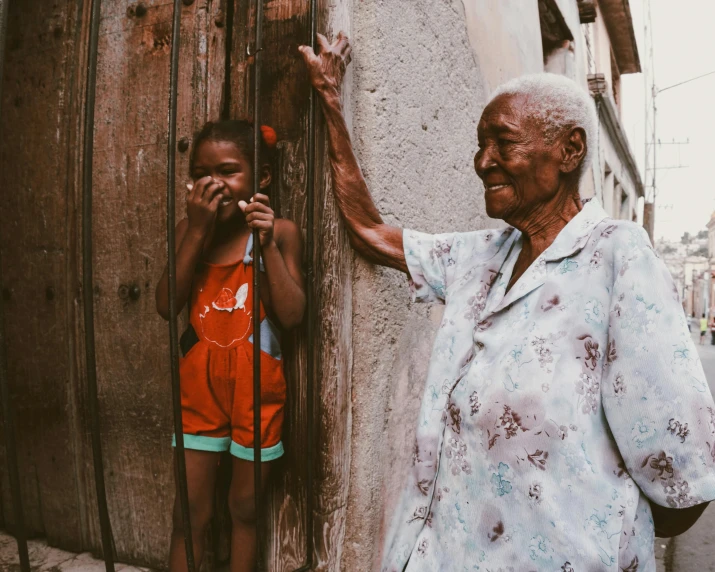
(611, 52)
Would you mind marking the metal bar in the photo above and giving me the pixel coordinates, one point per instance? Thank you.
(171, 272)
(88, 290)
(226, 108)
(7, 409)
(257, 492)
(309, 306)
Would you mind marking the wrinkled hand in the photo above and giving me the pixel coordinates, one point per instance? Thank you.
(259, 215)
(202, 204)
(327, 68)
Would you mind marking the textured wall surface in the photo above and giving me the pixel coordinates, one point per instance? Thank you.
(506, 38)
(417, 94)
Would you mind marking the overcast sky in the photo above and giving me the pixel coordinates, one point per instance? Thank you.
(684, 47)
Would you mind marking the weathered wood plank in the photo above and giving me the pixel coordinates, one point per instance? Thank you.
(38, 103)
(334, 280)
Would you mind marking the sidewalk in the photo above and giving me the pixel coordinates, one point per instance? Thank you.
(46, 559)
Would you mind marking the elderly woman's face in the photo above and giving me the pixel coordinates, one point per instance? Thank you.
(519, 169)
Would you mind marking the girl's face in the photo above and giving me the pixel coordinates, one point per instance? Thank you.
(223, 161)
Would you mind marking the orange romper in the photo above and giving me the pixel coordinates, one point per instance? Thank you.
(217, 370)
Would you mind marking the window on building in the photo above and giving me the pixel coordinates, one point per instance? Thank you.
(615, 81)
(625, 213)
(616, 198)
(607, 190)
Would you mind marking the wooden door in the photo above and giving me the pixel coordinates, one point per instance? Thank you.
(40, 166)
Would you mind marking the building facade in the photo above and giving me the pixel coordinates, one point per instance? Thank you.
(611, 52)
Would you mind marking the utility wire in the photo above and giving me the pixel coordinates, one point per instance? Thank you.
(659, 91)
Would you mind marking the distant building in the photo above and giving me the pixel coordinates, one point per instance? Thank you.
(691, 263)
(711, 259)
(711, 237)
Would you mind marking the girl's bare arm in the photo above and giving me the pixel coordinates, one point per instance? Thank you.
(282, 259)
(369, 235)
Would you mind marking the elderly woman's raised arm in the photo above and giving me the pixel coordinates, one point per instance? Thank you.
(369, 235)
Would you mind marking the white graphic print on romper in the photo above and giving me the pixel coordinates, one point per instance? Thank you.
(227, 302)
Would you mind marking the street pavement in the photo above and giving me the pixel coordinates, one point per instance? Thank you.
(47, 559)
(693, 551)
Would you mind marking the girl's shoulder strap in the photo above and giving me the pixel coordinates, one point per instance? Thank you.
(248, 256)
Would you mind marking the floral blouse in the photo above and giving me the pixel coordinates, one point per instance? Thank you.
(553, 412)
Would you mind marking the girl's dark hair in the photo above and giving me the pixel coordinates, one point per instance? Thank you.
(236, 131)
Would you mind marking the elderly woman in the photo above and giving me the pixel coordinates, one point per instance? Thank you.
(567, 417)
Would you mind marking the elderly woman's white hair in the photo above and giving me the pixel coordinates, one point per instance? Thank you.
(559, 104)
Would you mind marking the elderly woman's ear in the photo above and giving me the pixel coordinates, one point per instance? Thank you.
(573, 151)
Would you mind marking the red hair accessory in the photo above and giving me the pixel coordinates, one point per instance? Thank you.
(269, 136)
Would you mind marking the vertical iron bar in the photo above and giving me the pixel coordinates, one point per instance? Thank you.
(88, 289)
(257, 135)
(171, 271)
(226, 108)
(309, 304)
(7, 410)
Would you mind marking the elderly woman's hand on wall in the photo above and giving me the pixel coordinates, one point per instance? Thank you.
(327, 67)
(378, 242)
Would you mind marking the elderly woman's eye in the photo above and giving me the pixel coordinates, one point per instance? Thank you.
(503, 141)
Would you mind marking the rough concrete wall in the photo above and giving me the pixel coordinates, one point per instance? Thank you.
(506, 38)
(417, 95)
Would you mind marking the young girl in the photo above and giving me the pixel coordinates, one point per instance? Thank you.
(214, 269)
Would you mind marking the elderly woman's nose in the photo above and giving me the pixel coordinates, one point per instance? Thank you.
(482, 161)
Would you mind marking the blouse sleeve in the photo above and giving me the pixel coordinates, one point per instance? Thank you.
(431, 260)
(655, 395)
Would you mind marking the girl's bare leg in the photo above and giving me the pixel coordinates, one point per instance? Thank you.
(201, 467)
(243, 514)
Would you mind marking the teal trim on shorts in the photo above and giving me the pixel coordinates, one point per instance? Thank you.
(267, 454)
(203, 443)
